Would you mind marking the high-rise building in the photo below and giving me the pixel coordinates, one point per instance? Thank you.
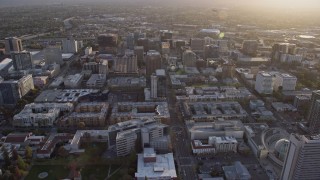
(211, 51)
(13, 90)
(126, 65)
(314, 113)
(21, 60)
(302, 160)
(144, 42)
(153, 62)
(139, 51)
(189, 58)
(107, 43)
(53, 55)
(197, 44)
(69, 45)
(228, 70)
(154, 86)
(250, 47)
(165, 35)
(130, 41)
(12, 44)
(264, 83)
(280, 49)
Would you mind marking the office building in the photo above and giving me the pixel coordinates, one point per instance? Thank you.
(250, 47)
(12, 44)
(165, 47)
(286, 81)
(144, 42)
(204, 130)
(73, 81)
(314, 113)
(153, 166)
(189, 58)
(223, 45)
(130, 41)
(126, 142)
(69, 45)
(13, 90)
(154, 86)
(197, 44)
(53, 55)
(126, 65)
(21, 60)
(228, 70)
(97, 81)
(302, 160)
(139, 51)
(107, 43)
(224, 143)
(153, 62)
(211, 51)
(236, 171)
(280, 49)
(264, 83)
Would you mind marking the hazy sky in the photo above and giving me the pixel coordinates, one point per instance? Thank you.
(278, 4)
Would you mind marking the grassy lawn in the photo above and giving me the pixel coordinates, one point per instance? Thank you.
(55, 172)
(95, 172)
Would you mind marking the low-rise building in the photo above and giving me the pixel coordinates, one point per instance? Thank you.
(210, 111)
(90, 113)
(41, 115)
(124, 111)
(49, 144)
(224, 143)
(153, 166)
(97, 81)
(73, 81)
(280, 106)
(203, 130)
(236, 171)
(40, 81)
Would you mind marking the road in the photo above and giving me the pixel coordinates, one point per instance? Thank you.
(180, 140)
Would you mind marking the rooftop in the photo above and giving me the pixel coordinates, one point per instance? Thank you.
(163, 167)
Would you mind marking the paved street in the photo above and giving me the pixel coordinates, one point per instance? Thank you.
(180, 141)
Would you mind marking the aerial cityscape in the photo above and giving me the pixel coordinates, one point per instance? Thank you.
(150, 89)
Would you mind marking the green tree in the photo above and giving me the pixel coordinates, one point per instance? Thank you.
(28, 152)
(21, 164)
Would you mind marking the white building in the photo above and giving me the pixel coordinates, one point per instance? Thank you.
(73, 81)
(264, 83)
(154, 86)
(224, 144)
(88, 51)
(153, 167)
(286, 81)
(126, 141)
(302, 160)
